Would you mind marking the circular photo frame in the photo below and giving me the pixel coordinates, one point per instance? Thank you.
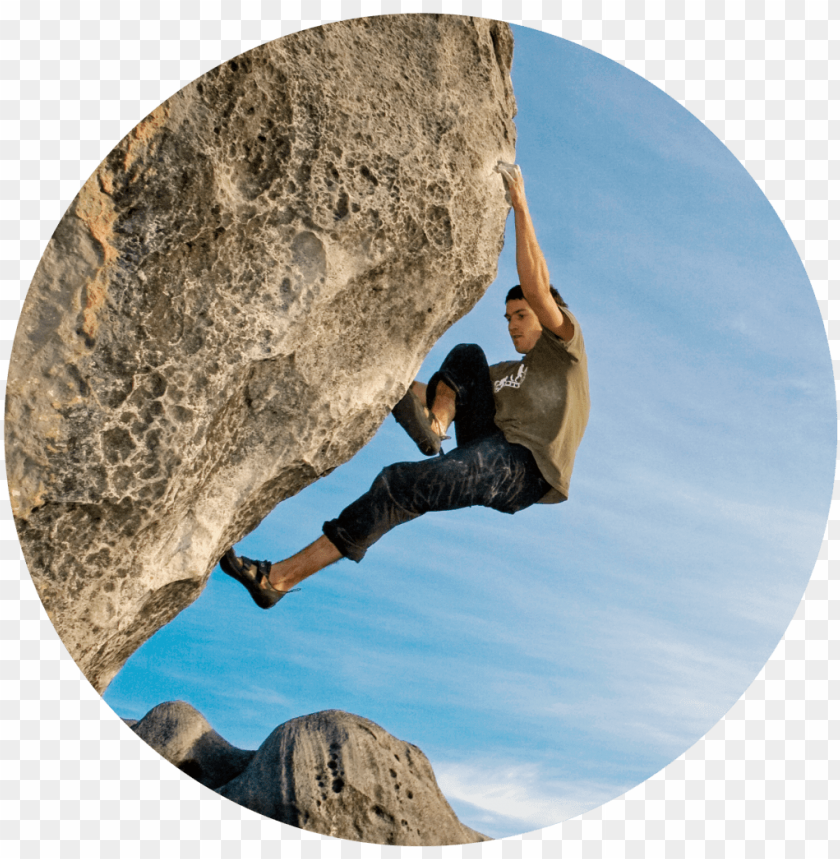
(544, 663)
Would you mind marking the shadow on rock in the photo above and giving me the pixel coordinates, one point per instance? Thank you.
(179, 733)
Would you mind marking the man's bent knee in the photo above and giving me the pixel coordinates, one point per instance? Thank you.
(466, 360)
(466, 351)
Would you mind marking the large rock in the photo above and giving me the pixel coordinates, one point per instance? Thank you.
(236, 299)
(342, 775)
(179, 733)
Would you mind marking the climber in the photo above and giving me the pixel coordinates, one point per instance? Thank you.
(517, 424)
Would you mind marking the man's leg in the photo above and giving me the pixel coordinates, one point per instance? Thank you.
(444, 407)
(461, 390)
(442, 410)
(287, 574)
(491, 472)
(462, 385)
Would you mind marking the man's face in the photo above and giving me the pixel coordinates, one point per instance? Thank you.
(523, 326)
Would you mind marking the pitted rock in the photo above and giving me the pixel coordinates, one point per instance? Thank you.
(236, 299)
(345, 776)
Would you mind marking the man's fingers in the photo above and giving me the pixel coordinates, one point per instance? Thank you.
(509, 172)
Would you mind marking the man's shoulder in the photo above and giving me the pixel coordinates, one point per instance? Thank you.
(497, 371)
(552, 344)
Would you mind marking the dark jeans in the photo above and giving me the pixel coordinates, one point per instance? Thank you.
(484, 469)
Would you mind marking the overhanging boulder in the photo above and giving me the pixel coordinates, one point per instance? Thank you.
(236, 299)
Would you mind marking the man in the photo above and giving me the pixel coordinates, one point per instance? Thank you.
(518, 425)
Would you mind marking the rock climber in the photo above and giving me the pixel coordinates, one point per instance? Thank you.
(518, 425)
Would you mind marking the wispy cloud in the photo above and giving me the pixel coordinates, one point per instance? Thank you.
(509, 797)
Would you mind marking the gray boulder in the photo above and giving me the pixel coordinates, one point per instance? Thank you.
(344, 776)
(179, 733)
(236, 299)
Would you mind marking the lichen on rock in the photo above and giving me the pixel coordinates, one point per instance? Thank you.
(236, 299)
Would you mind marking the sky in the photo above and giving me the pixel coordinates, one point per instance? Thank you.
(549, 661)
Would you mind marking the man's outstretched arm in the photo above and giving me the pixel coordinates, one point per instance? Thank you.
(531, 264)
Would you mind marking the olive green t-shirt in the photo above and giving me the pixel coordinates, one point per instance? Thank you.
(542, 403)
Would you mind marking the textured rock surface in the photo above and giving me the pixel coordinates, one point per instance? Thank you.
(235, 300)
(179, 733)
(342, 775)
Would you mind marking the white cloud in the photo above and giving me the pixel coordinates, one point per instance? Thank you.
(521, 791)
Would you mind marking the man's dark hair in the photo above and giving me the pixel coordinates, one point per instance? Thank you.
(515, 294)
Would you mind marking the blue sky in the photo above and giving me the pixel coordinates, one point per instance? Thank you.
(549, 661)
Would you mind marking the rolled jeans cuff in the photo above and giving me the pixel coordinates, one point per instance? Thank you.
(333, 532)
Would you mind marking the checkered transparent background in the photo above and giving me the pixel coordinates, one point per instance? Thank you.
(75, 77)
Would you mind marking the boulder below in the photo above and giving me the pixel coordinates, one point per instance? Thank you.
(330, 772)
(179, 733)
(342, 775)
(237, 298)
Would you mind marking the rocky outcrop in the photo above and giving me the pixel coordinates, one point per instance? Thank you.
(236, 299)
(330, 772)
(179, 733)
(342, 775)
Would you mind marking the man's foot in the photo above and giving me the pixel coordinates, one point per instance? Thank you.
(422, 428)
(254, 576)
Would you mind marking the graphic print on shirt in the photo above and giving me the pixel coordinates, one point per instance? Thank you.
(511, 381)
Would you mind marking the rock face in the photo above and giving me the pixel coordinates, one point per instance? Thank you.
(235, 300)
(342, 775)
(331, 772)
(179, 733)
